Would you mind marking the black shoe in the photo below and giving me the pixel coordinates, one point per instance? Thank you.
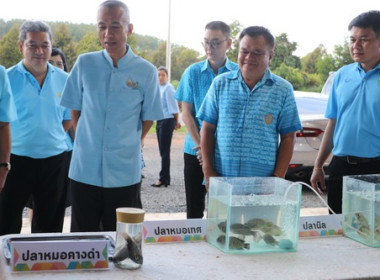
(158, 184)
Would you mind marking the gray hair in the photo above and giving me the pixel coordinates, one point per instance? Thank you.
(33, 26)
(113, 4)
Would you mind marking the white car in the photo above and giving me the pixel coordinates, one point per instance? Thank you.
(311, 108)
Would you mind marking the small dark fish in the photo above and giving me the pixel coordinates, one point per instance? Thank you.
(234, 243)
(131, 249)
(256, 223)
(273, 229)
(270, 240)
(222, 226)
(361, 219)
(241, 229)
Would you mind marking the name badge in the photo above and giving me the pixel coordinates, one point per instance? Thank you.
(175, 230)
(37, 255)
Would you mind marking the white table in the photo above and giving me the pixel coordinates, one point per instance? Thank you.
(316, 258)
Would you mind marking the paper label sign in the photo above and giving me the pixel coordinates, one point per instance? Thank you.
(59, 255)
(175, 230)
(317, 226)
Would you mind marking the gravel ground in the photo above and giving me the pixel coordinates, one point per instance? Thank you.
(172, 199)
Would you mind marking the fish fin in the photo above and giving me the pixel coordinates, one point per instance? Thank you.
(125, 236)
(138, 237)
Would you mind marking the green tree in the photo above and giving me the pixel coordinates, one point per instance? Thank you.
(182, 57)
(291, 74)
(309, 61)
(283, 53)
(325, 65)
(64, 40)
(342, 55)
(233, 52)
(89, 43)
(158, 57)
(9, 50)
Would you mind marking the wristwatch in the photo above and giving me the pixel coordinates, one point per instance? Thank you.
(7, 165)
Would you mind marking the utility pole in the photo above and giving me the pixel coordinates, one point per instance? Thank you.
(168, 44)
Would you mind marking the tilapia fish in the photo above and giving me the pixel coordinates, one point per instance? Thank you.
(362, 225)
(361, 219)
(273, 229)
(267, 227)
(131, 249)
(234, 243)
(222, 226)
(270, 240)
(256, 223)
(245, 230)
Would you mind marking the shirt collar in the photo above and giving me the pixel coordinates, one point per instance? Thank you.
(23, 70)
(227, 65)
(267, 79)
(268, 76)
(123, 61)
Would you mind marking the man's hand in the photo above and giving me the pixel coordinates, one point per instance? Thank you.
(317, 180)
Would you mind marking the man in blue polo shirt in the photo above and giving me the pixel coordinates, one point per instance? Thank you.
(246, 112)
(353, 129)
(7, 114)
(115, 97)
(191, 91)
(39, 157)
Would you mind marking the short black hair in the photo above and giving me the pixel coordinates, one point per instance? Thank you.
(256, 31)
(219, 25)
(57, 51)
(163, 68)
(370, 19)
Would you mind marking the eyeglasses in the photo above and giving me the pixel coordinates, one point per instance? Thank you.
(56, 63)
(34, 47)
(214, 44)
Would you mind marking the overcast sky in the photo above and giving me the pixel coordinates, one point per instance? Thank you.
(309, 23)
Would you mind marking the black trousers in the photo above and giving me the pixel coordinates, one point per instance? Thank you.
(164, 130)
(45, 180)
(340, 167)
(94, 208)
(195, 190)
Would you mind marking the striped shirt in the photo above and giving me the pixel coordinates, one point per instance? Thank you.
(249, 122)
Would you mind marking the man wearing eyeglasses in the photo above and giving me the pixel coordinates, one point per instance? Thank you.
(246, 112)
(191, 91)
(39, 157)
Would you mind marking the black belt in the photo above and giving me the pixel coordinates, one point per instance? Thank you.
(356, 160)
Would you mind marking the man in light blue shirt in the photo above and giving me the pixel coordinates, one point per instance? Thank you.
(114, 97)
(7, 114)
(39, 151)
(353, 130)
(246, 112)
(191, 90)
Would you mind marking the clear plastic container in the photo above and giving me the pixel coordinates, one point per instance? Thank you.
(128, 248)
(361, 208)
(253, 214)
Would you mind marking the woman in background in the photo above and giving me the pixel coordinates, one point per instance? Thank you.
(165, 127)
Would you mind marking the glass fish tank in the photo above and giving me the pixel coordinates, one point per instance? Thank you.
(361, 209)
(253, 215)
